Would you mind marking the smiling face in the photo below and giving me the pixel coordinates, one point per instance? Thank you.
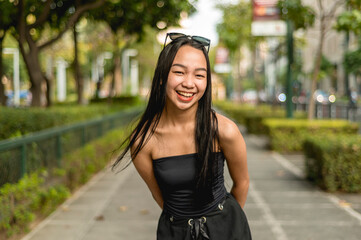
(187, 78)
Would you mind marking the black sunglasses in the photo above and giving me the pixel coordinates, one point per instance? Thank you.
(202, 40)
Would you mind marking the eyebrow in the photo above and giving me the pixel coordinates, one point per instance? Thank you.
(182, 66)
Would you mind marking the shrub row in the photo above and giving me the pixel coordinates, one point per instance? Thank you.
(38, 194)
(252, 116)
(334, 164)
(288, 135)
(236, 111)
(16, 122)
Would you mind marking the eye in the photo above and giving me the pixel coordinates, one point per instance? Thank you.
(200, 76)
(178, 72)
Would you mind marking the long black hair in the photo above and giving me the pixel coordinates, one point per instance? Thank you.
(206, 131)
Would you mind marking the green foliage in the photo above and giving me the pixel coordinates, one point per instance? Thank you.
(254, 121)
(326, 68)
(352, 61)
(252, 116)
(349, 21)
(38, 194)
(236, 111)
(288, 135)
(132, 16)
(302, 16)
(334, 164)
(7, 17)
(235, 27)
(16, 122)
(20, 202)
(81, 164)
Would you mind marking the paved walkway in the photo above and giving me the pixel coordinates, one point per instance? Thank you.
(281, 205)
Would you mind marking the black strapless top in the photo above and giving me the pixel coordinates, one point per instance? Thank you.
(176, 177)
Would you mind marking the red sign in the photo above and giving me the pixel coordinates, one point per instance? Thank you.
(265, 10)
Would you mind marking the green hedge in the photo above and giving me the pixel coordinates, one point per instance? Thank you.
(252, 116)
(16, 122)
(334, 162)
(288, 135)
(254, 122)
(236, 111)
(38, 194)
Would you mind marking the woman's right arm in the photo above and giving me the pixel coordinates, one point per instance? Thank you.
(144, 165)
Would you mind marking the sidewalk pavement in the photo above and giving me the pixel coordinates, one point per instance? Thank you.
(281, 205)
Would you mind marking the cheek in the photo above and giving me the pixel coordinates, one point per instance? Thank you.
(202, 87)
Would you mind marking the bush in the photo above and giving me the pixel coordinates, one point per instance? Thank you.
(334, 164)
(15, 122)
(125, 100)
(38, 194)
(288, 135)
(252, 116)
(20, 202)
(236, 111)
(254, 121)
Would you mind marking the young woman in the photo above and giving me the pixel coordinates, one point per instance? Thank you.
(179, 147)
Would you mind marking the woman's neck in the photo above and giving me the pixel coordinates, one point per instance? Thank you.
(175, 117)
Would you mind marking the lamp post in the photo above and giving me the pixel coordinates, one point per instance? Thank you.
(289, 105)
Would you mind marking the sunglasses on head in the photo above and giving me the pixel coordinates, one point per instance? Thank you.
(202, 40)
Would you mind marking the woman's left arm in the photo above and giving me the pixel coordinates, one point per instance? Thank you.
(234, 149)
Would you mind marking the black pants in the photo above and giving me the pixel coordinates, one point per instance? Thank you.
(227, 222)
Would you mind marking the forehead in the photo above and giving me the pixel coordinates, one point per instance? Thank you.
(190, 57)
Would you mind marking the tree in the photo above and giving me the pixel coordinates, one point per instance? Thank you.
(349, 21)
(32, 18)
(128, 19)
(325, 16)
(302, 16)
(235, 31)
(7, 17)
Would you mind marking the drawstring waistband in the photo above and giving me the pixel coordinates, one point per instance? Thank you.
(197, 225)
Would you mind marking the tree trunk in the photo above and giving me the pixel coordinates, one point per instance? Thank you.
(254, 72)
(316, 71)
(48, 91)
(116, 85)
(2, 87)
(30, 50)
(236, 76)
(36, 75)
(78, 76)
(30, 53)
(117, 74)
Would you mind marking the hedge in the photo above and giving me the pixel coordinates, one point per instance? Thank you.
(254, 122)
(252, 116)
(15, 122)
(236, 111)
(288, 135)
(38, 194)
(334, 164)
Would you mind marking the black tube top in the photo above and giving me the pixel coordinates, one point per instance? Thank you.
(176, 177)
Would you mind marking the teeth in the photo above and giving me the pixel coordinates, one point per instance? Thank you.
(185, 94)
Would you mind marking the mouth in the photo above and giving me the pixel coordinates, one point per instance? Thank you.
(185, 96)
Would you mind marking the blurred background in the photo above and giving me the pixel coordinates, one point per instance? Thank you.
(76, 72)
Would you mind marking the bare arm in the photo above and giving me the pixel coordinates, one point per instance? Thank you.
(234, 148)
(144, 165)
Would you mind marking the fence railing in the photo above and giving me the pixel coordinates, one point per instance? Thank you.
(44, 149)
(334, 110)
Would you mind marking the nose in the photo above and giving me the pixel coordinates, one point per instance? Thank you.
(188, 81)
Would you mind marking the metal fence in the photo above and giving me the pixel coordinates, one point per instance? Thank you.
(45, 149)
(334, 110)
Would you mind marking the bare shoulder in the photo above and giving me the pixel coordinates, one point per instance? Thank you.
(145, 147)
(228, 130)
